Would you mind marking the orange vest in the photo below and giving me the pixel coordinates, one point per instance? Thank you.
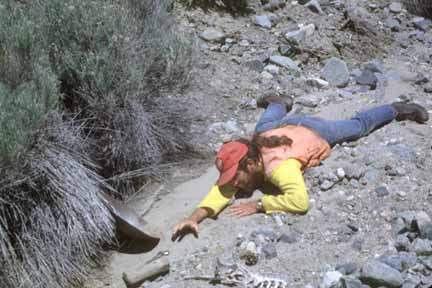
(308, 147)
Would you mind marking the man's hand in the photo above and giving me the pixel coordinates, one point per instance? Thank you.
(183, 228)
(243, 209)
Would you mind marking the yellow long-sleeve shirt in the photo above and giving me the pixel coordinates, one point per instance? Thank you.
(287, 176)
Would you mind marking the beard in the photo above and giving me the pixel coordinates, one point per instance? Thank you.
(255, 180)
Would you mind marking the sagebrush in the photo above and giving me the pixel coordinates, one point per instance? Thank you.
(84, 106)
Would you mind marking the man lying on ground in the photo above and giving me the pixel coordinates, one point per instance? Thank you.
(284, 145)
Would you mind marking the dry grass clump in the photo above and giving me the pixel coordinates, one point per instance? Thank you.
(231, 6)
(419, 7)
(83, 105)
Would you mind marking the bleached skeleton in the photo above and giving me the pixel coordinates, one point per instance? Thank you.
(240, 276)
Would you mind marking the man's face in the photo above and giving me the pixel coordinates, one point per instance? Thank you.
(247, 181)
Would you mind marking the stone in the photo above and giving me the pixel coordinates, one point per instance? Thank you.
(347, 269)
(422, 247)
(273, 69)
(376, 274)
(421, 220)
(326, 185)
(395, 7)
(426, 232)
(295, 37)
(382, 191)
(270, 251)
(374, 65)
(401, 261)
(336, 72)
(340, 172)
(393, 24)
(266, 75)
(309, 100)
(255, 65)
(350, 282)
(314, 6)
(213, 35)
(316, 82)
(428, 88)
(421, 23)
(289, 238)
(357, 245)
(269, 234)
(286, 50)
(367, 78)
(263, 21)
(402, 243)
(285, 62)
(332, 279)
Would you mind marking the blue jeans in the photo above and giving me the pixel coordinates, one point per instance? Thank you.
(334, 131)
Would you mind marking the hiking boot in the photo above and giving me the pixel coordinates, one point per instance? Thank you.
(410, 111)
(266, 99)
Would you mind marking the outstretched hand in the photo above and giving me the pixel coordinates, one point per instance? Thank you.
(243, 209)
(183, 228)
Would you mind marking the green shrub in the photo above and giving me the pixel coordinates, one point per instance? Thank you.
(82, 98)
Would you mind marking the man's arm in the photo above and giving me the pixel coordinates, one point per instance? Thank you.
(294, 198)
(210, 206)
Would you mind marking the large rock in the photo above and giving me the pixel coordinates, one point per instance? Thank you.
(332, 279)
(377, 274)
(263, 21)
(422, 247)
(213, 35)
(336, 72)
(285, 62)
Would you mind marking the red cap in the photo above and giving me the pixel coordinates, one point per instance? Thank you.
(227, 160)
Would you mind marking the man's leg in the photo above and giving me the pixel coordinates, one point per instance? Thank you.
(339, 131)
(271, 117)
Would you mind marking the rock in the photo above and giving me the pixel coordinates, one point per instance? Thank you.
(263, 21)
(376, 274)
(284, 62)
(295, 37)
(266, 75)
(398, 226)
(392, 24)
(421, 23)
(347, 269)
(289, 238)
(213, 35)
(270, 251)
(273, 5)
(428, 88)
(316, 82)
(309, 100)
(402, 242)
(357, 245)
(314, 6)
(426, 232)
(395, 7)
(422, 247)
(332, 279)
(367, 78)
(350, 282)
(421, 220)
(326, 185)
(336, 72)
(273, 69)
(401, 261)
(255, 65)
(248, 252)
(286, 50)
(382, 191)
(269, 234)
(374, 65)
(340, 172)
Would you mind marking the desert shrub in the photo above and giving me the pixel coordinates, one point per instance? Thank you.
(231, 6)
(52, 223)
(83, 103)
(419, 7)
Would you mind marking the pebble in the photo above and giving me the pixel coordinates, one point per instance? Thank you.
(336, 72)
(382, 191)
(285, 62)
(332, 279)
(213, 35)
(377, 274)
(314, 6)
(395, 7)
(263, 21)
